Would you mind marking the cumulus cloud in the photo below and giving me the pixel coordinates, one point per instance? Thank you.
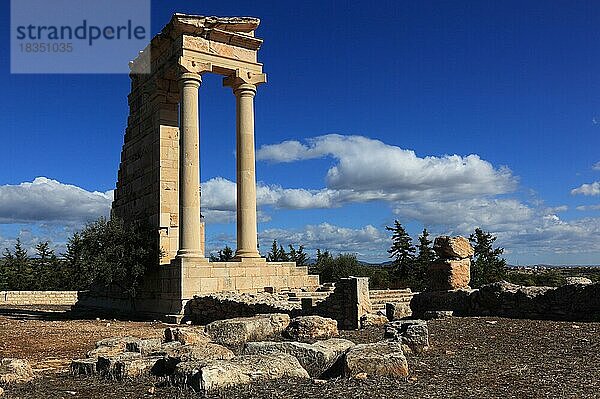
(587, 189)
(596, 166)
(368, 169)
(462, 217)
(325, 236)
(47, 200)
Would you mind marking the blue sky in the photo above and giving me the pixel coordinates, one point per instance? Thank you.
(445, 114)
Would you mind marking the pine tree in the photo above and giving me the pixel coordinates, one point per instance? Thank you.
(298, 255)
(488, 266)
(425, 256)
(277, 253)
(226, 254)
(402, 250)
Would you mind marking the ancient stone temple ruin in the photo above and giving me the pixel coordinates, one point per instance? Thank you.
(159, 174)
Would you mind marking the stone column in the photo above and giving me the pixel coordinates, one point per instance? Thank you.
(246, 174)
(189, 168)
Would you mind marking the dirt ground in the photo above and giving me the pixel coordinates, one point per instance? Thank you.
(469, 358)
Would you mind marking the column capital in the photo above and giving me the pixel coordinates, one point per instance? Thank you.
(189, 66)
(241, 77)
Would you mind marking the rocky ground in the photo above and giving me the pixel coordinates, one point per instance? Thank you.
(469, 358)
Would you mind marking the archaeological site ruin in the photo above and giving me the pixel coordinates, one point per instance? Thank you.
(159, 174)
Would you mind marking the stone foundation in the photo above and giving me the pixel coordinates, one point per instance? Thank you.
(55, 298)
(168, 288)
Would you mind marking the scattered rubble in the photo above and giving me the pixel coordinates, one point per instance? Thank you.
(15, 371)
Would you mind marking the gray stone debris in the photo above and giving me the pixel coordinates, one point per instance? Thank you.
(186, 335)
(235, 332)
(85, 366)
(144, 346)
(373, 320)
(397, 310)
(106, 365)
(412, 334)
(383, 358)
(15, 371)
(319, 359)
(311, 327)
(437, 314)
(244, 369)
(131, 368)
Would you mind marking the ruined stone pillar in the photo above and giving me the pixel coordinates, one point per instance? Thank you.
(246, 174)
(189, 168)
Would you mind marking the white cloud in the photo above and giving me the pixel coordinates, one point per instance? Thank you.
(596, 166)
(367, 240)
(369, 169)
(462, 217)
(47, 200)
(588, 208)
(587, 189)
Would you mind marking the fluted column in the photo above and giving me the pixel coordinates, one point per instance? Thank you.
(246, 174)
(189, 167)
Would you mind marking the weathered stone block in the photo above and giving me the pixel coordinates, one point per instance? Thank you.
(318, 358)
(383, 358)
(453, 247)
(311, 327)
(449, 275)
(244, 329)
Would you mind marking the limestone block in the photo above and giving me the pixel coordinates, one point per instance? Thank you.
(220, 272)
(186, 335)
(15, 371)
(318, 358)
(144, 346)
(107, 365)
(449, 275)
(244, 329)
(311, 327)
(453, 247)
(245, 369)
(413, 334)
(253, 271)
(132, 368)
(225, 284)
(243, 283)
(85, 366)
(383, 358)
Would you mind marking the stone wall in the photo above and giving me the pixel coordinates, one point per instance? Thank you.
(62, 298)
(167, 289)
(205, 309)
(577, 302)
(347, 303)
(148, 179)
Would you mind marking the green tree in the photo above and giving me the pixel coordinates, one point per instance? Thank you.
(113, 253)
(277, 253)
(488, 266)
(425, 256)
(47, 268)
(226, 254)
(402, 251)
(298, 255)
(17, 268)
